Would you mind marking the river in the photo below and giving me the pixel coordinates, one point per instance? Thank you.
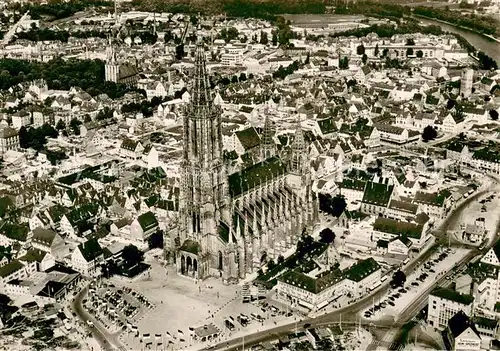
(480, 42)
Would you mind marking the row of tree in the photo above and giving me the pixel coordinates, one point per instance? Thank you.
(61, 75)
(483, 24)
(282, 72)
(58, 9)
(36, 138)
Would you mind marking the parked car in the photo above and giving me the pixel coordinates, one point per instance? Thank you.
(229, 325)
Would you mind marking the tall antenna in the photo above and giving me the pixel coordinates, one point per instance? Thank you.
(154, 23)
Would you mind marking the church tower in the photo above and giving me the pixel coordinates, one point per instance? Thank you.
(267, 145)
(298, 157)
(204, 200)
(112, 68)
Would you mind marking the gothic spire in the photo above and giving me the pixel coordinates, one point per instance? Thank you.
(110, 51)
(268, 132)
(201, 87)
(298, 143)
(267, 143)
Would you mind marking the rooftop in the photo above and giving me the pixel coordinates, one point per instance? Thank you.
(449, 294)
(361, 269)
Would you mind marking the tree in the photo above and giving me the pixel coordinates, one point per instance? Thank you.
(132, 255)
(234, 79)
(87, 118)
(194, 20)
(364, 59)
(420, 53)
(351, 83)
(271, 264)
(263, 38)
(304, 245)
(494, 115)
(229, 34)
(360, 50)
(23, 137)
(105, 113)
(344, 63)
(327, 236)
(410, 42)
(334, 206)
(409, 52)
(6, 251)
(308, 59)
(385, 52)
(429, 133)
(243, 77)
(281, 259)
(486, 62)
(225, 81)
(376, 51)
(179, 52)
(75, 125)
(398, 279)
(274, 39)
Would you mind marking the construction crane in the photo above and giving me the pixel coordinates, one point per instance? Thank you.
(10, 34)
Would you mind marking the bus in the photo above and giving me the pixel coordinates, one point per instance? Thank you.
(374, 286)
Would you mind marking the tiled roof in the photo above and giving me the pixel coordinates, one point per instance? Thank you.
(377, 193)
(43, 235)
(255, 175)
(90, 249)
(361, 270)
(249, 138)
(392, 226)
(449, 294)
(147, 221)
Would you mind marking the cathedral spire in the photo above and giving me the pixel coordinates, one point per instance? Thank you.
(201, 95)
(267, 144)
(298, 143)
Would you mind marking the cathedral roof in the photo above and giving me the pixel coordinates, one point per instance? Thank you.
(256, 174)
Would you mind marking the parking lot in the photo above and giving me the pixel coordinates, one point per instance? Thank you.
(115, 308)
(422, 278)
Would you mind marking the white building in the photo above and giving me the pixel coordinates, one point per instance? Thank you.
(9, 139)
(444, 304)
(87, 258)
(312, 292)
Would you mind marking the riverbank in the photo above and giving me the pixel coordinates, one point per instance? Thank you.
(457, 26)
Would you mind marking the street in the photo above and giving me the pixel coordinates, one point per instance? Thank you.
(106, 340)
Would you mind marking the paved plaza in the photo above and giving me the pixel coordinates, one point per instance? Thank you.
(182, 304)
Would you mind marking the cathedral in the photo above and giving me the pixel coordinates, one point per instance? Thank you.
(228, 226)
